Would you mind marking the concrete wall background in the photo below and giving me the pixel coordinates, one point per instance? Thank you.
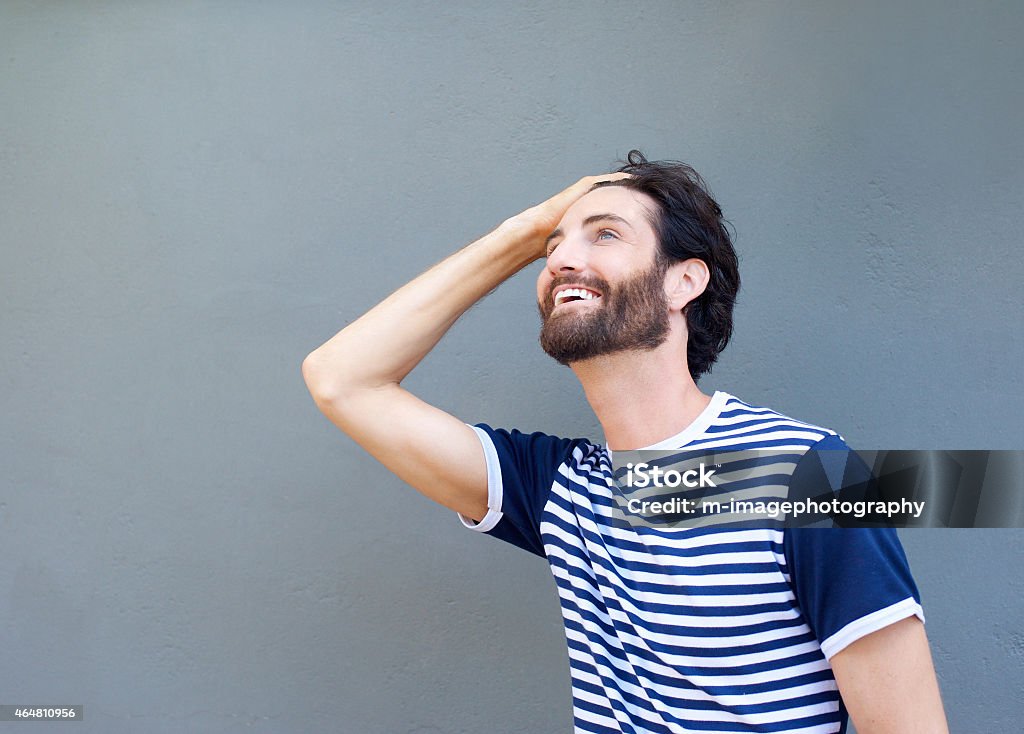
(193, 196)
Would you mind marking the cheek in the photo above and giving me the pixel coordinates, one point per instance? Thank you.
(543, 285)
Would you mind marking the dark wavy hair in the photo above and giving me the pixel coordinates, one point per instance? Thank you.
(689, 224)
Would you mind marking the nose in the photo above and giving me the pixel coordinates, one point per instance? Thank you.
(569, 256)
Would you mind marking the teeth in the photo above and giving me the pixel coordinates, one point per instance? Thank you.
(580, 293)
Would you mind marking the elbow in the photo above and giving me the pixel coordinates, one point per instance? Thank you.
(317, 379)
(330, 384)
(336, 398)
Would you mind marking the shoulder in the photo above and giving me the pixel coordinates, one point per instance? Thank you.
(766, 425)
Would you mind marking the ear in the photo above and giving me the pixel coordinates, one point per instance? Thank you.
(685, 281)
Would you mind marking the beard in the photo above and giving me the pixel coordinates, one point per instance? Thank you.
(631, 316)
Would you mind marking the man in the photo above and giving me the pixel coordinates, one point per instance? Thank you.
(749, 630)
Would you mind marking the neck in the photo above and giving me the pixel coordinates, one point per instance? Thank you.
(641, 398)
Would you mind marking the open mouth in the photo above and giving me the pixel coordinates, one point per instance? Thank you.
(575, 294)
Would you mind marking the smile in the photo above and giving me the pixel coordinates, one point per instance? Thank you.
(575, 294)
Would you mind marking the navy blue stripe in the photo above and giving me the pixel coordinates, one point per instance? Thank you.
(601, 563)
(682, 705)
(733, 689)
(610, 630)
(679, 630)
(689, 670)
(591, 592)
(758, 421)
(762, 444)
(607, 540)
(674, 608)
(697, 705)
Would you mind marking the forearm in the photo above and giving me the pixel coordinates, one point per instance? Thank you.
(386, 343)
(355, 376)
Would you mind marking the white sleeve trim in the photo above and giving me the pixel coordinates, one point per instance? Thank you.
(494, 488)
(871, 623)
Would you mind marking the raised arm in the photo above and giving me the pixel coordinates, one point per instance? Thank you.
(355, 376)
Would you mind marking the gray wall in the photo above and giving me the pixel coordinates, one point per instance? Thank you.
(193, 196)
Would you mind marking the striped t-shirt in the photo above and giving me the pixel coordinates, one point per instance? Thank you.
(694, 630)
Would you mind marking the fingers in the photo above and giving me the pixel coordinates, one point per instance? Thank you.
(544, 217)
(585, 184)
(608, 177)
(588, 182)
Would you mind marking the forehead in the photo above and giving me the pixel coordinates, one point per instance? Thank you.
(635, 207)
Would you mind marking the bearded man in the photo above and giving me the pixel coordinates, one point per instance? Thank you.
(756, 629)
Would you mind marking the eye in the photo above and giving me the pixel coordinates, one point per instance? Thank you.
(607, 234)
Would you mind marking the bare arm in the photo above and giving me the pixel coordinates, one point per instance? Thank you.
(355, 376)
(888, 683)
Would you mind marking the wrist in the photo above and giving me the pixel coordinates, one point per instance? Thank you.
(524, 236)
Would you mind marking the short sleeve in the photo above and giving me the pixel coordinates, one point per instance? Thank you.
(521, 470)
(849, 582)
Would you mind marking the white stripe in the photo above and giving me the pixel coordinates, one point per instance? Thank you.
(700, 696)
(494, 486)
(871, 623)
(663, 619)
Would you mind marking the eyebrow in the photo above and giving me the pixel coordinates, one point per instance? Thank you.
(592, 219)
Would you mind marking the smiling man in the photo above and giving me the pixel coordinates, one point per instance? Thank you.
(633, 315)
(669, 630)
